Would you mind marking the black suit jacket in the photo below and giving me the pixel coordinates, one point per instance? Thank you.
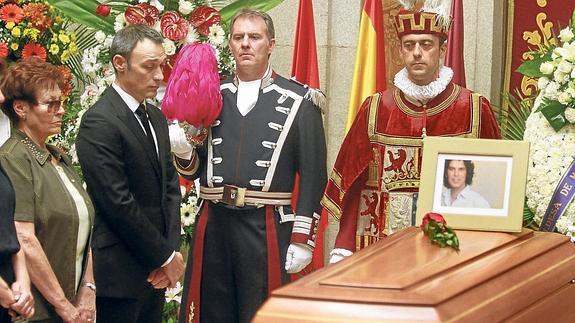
(135, 193)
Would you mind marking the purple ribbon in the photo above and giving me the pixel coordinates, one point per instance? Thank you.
(562, 197)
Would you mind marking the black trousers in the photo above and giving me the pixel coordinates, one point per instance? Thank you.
(235, 268)
(145, 309)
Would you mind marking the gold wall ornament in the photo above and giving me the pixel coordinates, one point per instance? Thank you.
(528, 86)
(540, 38)
(542, 3)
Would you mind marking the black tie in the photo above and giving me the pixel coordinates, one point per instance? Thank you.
(141, 113)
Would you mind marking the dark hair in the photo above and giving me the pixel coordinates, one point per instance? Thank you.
(128, 37)
(24, 80)
(251, 13)
(469, 171)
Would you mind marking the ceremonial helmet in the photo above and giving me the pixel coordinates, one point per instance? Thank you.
(433, 17)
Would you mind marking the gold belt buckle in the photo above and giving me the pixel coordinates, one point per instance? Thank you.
(234, 195)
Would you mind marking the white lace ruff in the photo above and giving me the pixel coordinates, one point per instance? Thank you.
(423, 93)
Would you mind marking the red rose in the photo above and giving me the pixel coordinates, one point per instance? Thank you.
(203, 18)
(103, 10)
(431, 216)
(173, 26)
(142, 14)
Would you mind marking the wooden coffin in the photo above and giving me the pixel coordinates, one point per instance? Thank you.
(521, 277)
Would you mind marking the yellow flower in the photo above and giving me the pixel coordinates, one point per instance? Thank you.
(73, 36)
(54, 49)
(10, 25)
(73, 48)
(14, 46)
(58, 19)
(65, 55)
(64, 39)
(16, 32)
(33, 33)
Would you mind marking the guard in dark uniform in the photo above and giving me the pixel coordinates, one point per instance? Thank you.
(247, 237)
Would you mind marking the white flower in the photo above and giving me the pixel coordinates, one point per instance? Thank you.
(567, 52)
(552, 90)
(570, 116)
(192, 36)
(564, 98)
(173, 294)
(565, 67)
(108, 41)
(169, 47)
(120, 22)
(566, 35)
(185, 7)
(560, 77)
(157, 4)
(187, 220)
(100, 36)
(542, 82)
(546, 68)
(550, 155)
(217, 35)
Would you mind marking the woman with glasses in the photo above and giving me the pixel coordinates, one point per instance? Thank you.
(53, 213)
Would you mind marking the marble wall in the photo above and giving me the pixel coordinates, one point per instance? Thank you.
(337, 24)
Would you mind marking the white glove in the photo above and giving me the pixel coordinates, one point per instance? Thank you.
(178, 141)
(338, 254)
(297, 258)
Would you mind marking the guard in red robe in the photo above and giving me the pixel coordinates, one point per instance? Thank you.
(373, 187)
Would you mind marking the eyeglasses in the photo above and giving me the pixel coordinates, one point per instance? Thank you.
(52, 106)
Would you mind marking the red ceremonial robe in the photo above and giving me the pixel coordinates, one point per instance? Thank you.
(376, 174)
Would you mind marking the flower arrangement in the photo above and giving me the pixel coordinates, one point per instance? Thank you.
(173, 299)
(550, 126)
(435, 228)
(34, 28)
(188, 209)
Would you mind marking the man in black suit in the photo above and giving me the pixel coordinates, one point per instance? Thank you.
(124, 151)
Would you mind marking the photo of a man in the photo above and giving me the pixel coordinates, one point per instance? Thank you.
(457, 178)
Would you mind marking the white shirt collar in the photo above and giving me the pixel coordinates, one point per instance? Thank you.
(423, 93)
(130, 101)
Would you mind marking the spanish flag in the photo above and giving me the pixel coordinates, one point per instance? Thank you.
(369, 73)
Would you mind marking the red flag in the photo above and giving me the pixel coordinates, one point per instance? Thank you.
(304, 65)
(305, 70)
(454, 55)
(369, 72)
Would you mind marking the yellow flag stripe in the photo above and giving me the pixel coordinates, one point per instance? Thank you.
(364, 74)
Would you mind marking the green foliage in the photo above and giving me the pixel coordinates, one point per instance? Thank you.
(512, 121)
(554, 112)
(84, 12)
(442, 235)
(530, 67)
(512, 126)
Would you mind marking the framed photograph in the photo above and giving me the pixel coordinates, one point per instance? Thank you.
(476, 184)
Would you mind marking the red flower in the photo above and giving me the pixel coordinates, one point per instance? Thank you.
(11, 13)
(173, 26)
(431, 216)
(34, 49)
(142, 14)
(42, 22)
(203, 18)
(67, 77)
(33, 10)
(3, 50)
(435, 228)
(103, 10)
